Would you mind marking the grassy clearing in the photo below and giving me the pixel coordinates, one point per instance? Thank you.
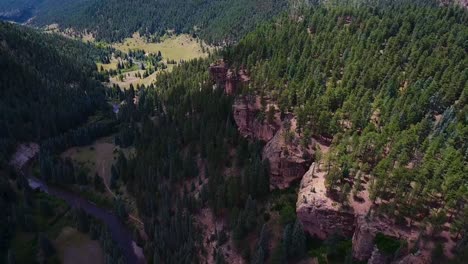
(76, 247)
(173, 48)
(106, 67)
(25, 244)
(96, 158)
(181, 47)
(131, 79)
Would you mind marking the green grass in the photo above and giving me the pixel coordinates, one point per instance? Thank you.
(24, 244)
(72, 239)
(181, 47)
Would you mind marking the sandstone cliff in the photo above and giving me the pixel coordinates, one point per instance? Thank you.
(321, 216)
(288, 160)
(246, 110)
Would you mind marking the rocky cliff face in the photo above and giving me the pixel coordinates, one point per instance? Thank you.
(363, 239)
(288, 160)
(368, 228)
(226, 78)
(319, 215)
(378, 257)
(246, 111)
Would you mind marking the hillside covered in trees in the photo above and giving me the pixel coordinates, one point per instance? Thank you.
(382, 87)
(385, 85)
(214, 21)
(21, 11)
(388, 86)
(49, 84)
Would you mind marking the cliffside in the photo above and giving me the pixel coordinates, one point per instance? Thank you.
(321, 213)
(323, 216)
(288, 160)
(246, 110)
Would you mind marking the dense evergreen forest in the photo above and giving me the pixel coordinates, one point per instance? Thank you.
(49, 84)
(187, 128)
(214, 21)
(21, 11)
(389, 86)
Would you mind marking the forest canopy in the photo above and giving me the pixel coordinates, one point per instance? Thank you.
(214, 21)
(389, 85)
(49, 84)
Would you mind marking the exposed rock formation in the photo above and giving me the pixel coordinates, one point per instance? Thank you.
(319, 215)
(363, 239)
(24, 153)
(246, 110)
(413, 259)
(226, 78)
(288, 162)
(378, 257)
(367, 229)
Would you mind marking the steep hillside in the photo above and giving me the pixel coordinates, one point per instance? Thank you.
(387, 88)
(21, 11)
(215, 21)
(47, 84)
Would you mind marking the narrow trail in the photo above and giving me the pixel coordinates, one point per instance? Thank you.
(135, 219)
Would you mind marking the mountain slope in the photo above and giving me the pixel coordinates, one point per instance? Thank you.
(215, 21)
(47, 84)
(21, 11)
(388, 87)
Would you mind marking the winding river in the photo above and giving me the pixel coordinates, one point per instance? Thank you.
(119, 232)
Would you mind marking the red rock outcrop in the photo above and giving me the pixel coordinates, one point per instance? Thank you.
(246, 111)
(226, 78)
(378, 257)
(288, 161)
(320, 216)
(363, 239)
(368, 228)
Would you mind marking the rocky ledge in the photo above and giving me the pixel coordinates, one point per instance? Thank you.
(320, 216)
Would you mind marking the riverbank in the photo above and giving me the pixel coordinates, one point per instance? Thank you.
(119, 232)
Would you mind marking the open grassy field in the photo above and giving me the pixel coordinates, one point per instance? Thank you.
(111, 66)
(173, 48)
(74, 247)
(131, 79)
(181, 47)
(96, 158)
